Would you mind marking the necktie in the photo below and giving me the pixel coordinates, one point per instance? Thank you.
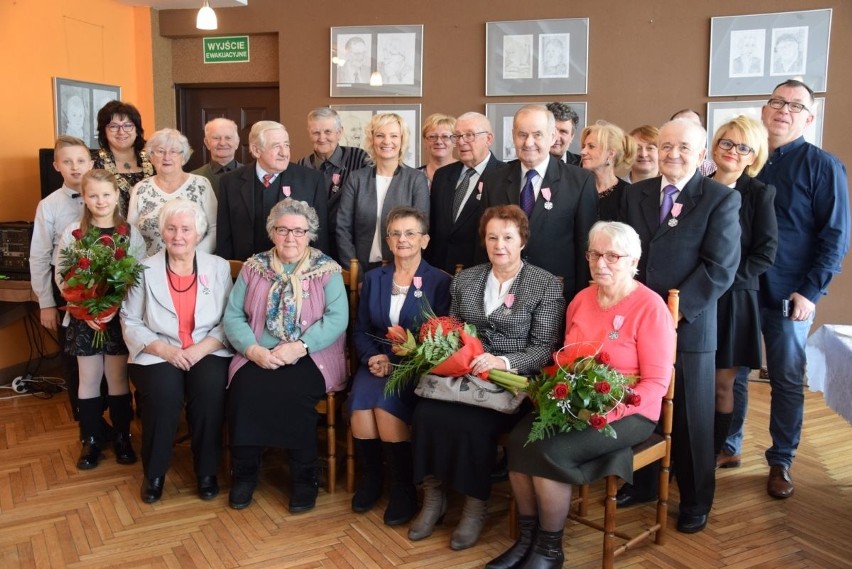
(267, 179)
(668, 201)
(75, 196)
(461, 191)
(528, 194)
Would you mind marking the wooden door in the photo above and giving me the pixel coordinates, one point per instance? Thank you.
(245, 104)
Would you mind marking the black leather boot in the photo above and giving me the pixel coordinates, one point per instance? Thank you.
(305, 486)
(402, 506)
(152, 489)
(121, 413)
(91, 411)
(515, 556)
(547, 551)
(368, 454)
(244, 476)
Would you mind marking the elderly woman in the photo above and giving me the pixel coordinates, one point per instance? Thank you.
(604, 148)
(398, 294)
(518, 310)
(647, 162)
(169, 151)
(542, 472)
(370, 193)
(438, 137)
(286, 319)
(122, 141)
(172, 323)
(740, 151)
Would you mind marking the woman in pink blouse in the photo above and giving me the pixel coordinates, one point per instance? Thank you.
(632, 324)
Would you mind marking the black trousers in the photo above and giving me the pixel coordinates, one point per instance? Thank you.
(163, 390)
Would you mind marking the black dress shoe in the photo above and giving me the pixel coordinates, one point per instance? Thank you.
(152, 489)
(628, 496)
(208, 487)
(124, 453)
(687, 523)
(90, 455)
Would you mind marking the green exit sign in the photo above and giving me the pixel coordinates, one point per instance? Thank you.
(228, 49)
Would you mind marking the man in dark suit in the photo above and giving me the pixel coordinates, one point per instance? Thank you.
(247, 194)
(456, 195)
(690, 231)
(562, 202)
(567, 120)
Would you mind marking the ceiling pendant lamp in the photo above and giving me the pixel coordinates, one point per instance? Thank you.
(206, 19)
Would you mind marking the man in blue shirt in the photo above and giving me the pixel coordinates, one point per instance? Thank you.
(812, 207)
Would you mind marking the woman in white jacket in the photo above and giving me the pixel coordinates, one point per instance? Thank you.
(178, 352)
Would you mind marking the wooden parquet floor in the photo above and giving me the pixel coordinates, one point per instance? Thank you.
(52, 515)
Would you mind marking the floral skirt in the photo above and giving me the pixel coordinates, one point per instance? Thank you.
(79, 337)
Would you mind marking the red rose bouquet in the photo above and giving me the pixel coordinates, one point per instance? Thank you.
(445, 346)
(97, 272)
(577, 392)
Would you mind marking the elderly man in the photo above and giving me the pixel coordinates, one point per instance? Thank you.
(456, 195)
(566, 127)
(222, 138)
(706, 166)
(247, 194)
(812, 207)
(560, 199)
(690, 231)
(334, 161)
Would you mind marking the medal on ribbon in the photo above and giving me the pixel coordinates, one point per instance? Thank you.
(617, 322)
(286, 191)
(508, 302)
(675, 212)
(417, 282)
(548, 205)
(479, 191)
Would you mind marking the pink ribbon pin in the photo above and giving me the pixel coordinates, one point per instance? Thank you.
(676, 209)
(546, 193)
(203, 280)
(285, 190)
(417, 282)
(509, 300)
(335, 179)
(617, 322)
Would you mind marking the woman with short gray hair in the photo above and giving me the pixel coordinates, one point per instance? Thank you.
(169, 151)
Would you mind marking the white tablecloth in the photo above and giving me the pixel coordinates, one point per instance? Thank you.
(829, 352)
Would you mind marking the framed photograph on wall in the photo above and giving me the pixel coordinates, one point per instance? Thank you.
(750, 55)
(537, 57)
(720, 113)
(356, 117)
(377, 61)
(76, 105)
(501, 116)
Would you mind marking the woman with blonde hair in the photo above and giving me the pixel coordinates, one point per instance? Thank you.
(370, 193)
(740, 149)
(438, 136)
(604, 149)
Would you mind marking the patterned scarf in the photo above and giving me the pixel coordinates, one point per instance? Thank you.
(288, 289)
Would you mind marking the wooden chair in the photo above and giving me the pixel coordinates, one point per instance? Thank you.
(656, 448)
(328, 407)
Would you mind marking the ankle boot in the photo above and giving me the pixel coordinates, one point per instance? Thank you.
(402, 505)
(244, 474)
(547, 551)
(721, 426)
(470, 525)
(368, 453)
(121, 413)
(515, 556)
(305, 486)
(432, 512)
(91, 411)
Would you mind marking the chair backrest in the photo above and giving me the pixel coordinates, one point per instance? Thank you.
(236, 267)
(667, 412)
(351, 278)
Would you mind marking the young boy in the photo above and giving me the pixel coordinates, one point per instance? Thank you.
(72, 159)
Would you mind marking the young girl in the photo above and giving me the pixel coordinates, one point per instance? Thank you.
(99, 190)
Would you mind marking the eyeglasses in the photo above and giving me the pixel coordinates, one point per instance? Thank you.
(114, 127)
(742, 149)
(285, 231)
(468, 136)
(433, 138)
(609, 257)
(779, 104)
(408, 234)
(166, 152)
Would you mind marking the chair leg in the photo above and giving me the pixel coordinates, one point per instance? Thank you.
(513, 518)
(663, 502)
(609, 522)
(350, 462)
(583, 506)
